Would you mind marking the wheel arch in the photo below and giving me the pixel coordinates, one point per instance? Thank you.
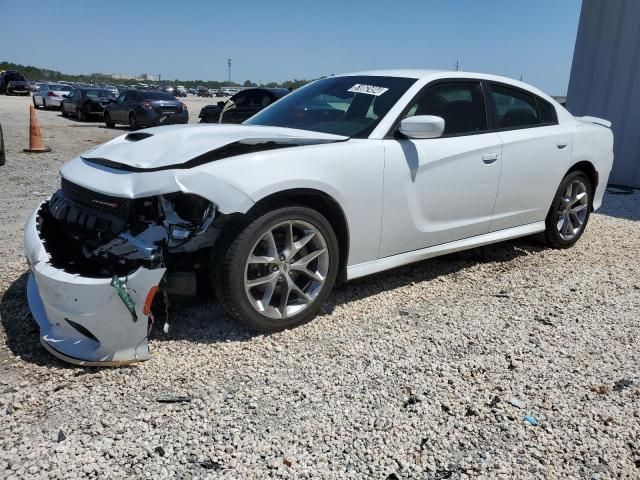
(589, 169)
(317, 200)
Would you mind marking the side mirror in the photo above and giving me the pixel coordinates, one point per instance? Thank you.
(422, 126)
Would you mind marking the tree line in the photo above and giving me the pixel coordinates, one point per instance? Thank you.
(39, 74)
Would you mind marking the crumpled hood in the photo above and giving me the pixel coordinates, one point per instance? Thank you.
(172, 146)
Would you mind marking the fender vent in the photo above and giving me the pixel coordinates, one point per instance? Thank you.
(137, 136)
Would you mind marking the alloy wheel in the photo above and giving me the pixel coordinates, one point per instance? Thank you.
(573, 208)
(286, 269)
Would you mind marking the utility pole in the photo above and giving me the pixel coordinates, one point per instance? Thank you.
(457, 66)
(229, 66)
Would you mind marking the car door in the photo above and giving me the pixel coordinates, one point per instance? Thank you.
(536, 153)
(67, 103)
(116, 109)
(439, 190)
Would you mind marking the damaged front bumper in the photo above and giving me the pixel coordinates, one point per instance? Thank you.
(85, 320)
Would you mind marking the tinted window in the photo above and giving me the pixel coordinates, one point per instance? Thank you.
(97, 93)
(350, 106)
(130, 96)
(60, 88)
(460, 104)
(514, 108)
(156, 96)
(546, 111)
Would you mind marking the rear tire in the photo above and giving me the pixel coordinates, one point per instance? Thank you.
(570, 211)
(81, 115)
(107, 120)
(133, 122)
(63, 111)
(272, 280)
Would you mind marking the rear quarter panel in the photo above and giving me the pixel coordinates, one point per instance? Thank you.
(594, 143)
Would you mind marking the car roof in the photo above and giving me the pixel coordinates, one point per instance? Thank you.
(430, 75)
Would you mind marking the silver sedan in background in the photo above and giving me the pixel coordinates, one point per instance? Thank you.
(50, 95)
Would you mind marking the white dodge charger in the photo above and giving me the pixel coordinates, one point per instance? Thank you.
(345, 177)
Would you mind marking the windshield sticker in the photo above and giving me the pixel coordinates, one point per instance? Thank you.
(368, 89)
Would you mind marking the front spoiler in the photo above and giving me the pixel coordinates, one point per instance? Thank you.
(83, 320)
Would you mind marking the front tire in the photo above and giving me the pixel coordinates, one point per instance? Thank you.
(570, 211)
(279, 270)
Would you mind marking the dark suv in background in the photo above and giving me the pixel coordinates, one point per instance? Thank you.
(13, 82)
(145, 108)
(241, 106)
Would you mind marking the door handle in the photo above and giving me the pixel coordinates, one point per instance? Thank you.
(562, 144)
(489, 158)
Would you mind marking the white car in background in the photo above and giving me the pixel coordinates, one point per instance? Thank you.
(50, 95)
(345, 177)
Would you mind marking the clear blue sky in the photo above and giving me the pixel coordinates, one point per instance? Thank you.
(275, 41)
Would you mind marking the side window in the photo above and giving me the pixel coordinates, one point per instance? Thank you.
(239, 99)
(129, 96)
(266, 100)
(460, 104)
(514, 108)
(120, 98)
(546, 111)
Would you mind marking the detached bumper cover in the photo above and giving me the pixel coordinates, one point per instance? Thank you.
(83, 320)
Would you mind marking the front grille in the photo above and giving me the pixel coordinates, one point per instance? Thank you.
(95, 201)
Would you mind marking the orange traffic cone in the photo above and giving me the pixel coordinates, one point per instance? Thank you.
(35, 139)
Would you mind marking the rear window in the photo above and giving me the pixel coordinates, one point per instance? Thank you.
(514, 108)
(13, 76)
(156, 96)
(546, 111)
(60, 88)
(98, 93)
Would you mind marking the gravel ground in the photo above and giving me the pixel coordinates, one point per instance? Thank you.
(426, 371)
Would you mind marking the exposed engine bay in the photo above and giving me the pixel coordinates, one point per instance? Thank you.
(96, 235)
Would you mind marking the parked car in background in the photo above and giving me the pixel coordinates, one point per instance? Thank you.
(18, 87)
(241, 106)
(203, 92)
(86, 103)
(50, 95)
(145, 108)
(9, 76)
(112, 89)
(180, 91)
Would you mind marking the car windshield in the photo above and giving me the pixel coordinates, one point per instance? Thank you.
(60, 88)
(98, 93)
(156, 96)
(350, 106)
